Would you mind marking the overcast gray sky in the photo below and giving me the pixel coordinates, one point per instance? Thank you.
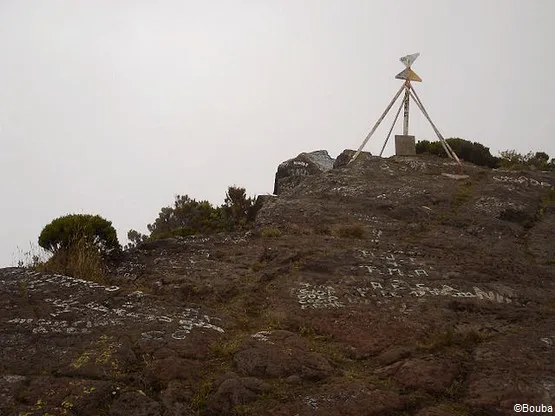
(112, 107)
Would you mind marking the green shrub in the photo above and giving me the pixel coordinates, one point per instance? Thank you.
(239, 210)
(512, 160)
(188, 216)
(93, 230)
(135, 238)
(471, 152)
(480, 155)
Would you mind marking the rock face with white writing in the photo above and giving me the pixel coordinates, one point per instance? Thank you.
(291, 172)
(85, 339)
(394, 286)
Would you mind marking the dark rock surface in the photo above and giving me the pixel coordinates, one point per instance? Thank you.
(391, 289)
(291, 172)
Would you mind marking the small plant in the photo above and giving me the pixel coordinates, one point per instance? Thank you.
(462, 195)
(296, 229)
(322, 229)
(467, 339)
(455, 390)
(544, 203)
(24, 289)
(350, 231)
(270, 232)
(32, 258)
(256, 267)
(198, 401)
(225, 349)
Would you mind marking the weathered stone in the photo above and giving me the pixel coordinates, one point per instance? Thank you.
(291, 172)
(233, 392)
(135, 403)
(389, 307)
(430, 373)
(394, 354)
(281, 355)
(176, 398)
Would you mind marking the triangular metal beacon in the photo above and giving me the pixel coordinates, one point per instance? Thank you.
(409, 59)
(408, 74)
(405, 143)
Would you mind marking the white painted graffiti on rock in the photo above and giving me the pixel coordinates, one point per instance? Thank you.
(299, 171)
(317, 297)
(521, 180)
(392, 264)
(263, 336)
(76, 306)
(321, 296)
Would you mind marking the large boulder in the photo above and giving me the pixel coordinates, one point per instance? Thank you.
(346, 155)
(291, 172)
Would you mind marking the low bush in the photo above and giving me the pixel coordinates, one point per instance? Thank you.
(188, 216)
(480, 155)
(66, 231)
(512, 160)
(79, 244)
(471, 152)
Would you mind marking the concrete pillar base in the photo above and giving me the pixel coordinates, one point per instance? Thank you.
(405, 145)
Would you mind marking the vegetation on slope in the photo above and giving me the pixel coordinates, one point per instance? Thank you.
(480, 155)
(188, 216)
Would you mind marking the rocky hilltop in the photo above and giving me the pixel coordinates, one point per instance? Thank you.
(397, 286)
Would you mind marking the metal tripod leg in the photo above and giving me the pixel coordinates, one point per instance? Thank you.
(377, 124)
(443, 142)
(392, 126)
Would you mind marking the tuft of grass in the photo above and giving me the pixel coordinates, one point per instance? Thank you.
(275, 319)
(296, 229)
(322, 229)
(240, 410)
(226, 349)
(270, 232)
(440, 340)
(257, 266)
(456, 389)
(350, 231)
(198, 401)
(547, 198)
(80, 260)
(462, 195)
(24, 289)
(31, 258)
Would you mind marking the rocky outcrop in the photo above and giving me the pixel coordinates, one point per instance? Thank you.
(381, 287)
(291, 172)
